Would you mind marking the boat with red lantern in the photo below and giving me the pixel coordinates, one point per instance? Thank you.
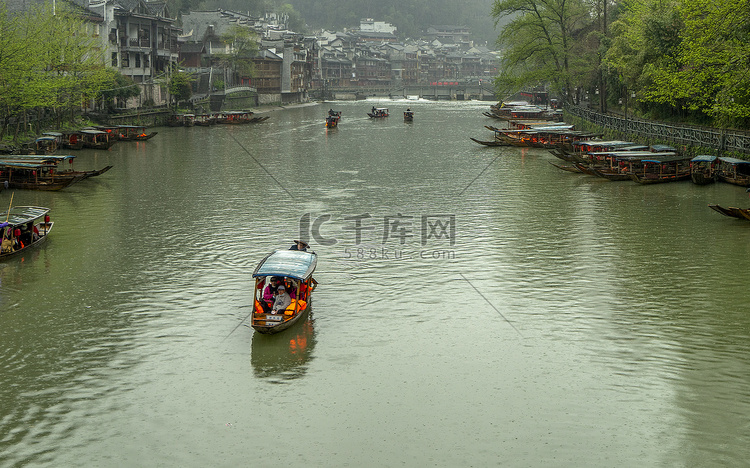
(293, 269)
(23, 227)
(41, 172)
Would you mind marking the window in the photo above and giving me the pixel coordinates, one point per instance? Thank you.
(137, 60)
(114, 59)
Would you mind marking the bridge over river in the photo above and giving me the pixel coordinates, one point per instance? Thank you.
(441, 91)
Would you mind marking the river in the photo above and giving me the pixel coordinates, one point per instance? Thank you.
(476, 306)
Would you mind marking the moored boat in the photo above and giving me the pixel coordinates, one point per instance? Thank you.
(295, 269)
(657, 169)
(134, 133)
(703, 169)
(733, 171)
(97, 139)
(23, 227)
(494, 142)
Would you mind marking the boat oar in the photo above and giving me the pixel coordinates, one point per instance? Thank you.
(9, 206)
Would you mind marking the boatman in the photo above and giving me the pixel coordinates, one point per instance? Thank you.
(300, 245)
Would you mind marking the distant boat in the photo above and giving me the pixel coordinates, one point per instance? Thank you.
(378, 112)
(408, 115)
(332, 119)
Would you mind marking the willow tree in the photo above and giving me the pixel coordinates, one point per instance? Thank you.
(542, 44)
(48, 60)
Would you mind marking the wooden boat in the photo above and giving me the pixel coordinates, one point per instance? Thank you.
(134, 133)
(34, 175)
(181, 120)
(408, 115)
(97, 139)
(46, 144)
(332, 119)
(296, 268)
(204, 120)
(732, 212)
(23, 227)
(733, 171)
(495, 142)
(52, 164)
(71, 139)
(235, 117)
(703, 169)
(568, 168)
(662, 169)
(378, 112)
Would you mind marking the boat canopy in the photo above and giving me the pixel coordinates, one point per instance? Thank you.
(290, 263)
(704, 158)
(22, 215)
(666, 157)
(23, 165)
(35, 157)
(662, 148)
(733, 160)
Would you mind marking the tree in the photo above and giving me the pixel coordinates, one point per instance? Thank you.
(180, 86)
(539, 45)
(243, 46)
(687, 57)
(118, 87)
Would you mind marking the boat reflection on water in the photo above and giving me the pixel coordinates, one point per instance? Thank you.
(284, 356)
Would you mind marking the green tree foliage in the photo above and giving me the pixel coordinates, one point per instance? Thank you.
(119, 87)
(180, 86)
(243, 46)
(47, 61)
(687, 57)
(544, 43)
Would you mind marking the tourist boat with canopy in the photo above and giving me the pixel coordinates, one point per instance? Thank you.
(666, 168)
(703, 169)
(734, 171)
(378, 112)
(97, 139)
(408, 115)
(332, 119)
(23, 227)
(295, 269)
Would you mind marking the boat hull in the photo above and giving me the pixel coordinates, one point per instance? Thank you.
(268, 327)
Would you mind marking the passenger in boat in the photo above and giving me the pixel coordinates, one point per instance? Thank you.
(269, 294)
(7, 244)
(283, 300)
(300, 245)
(291, 287)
